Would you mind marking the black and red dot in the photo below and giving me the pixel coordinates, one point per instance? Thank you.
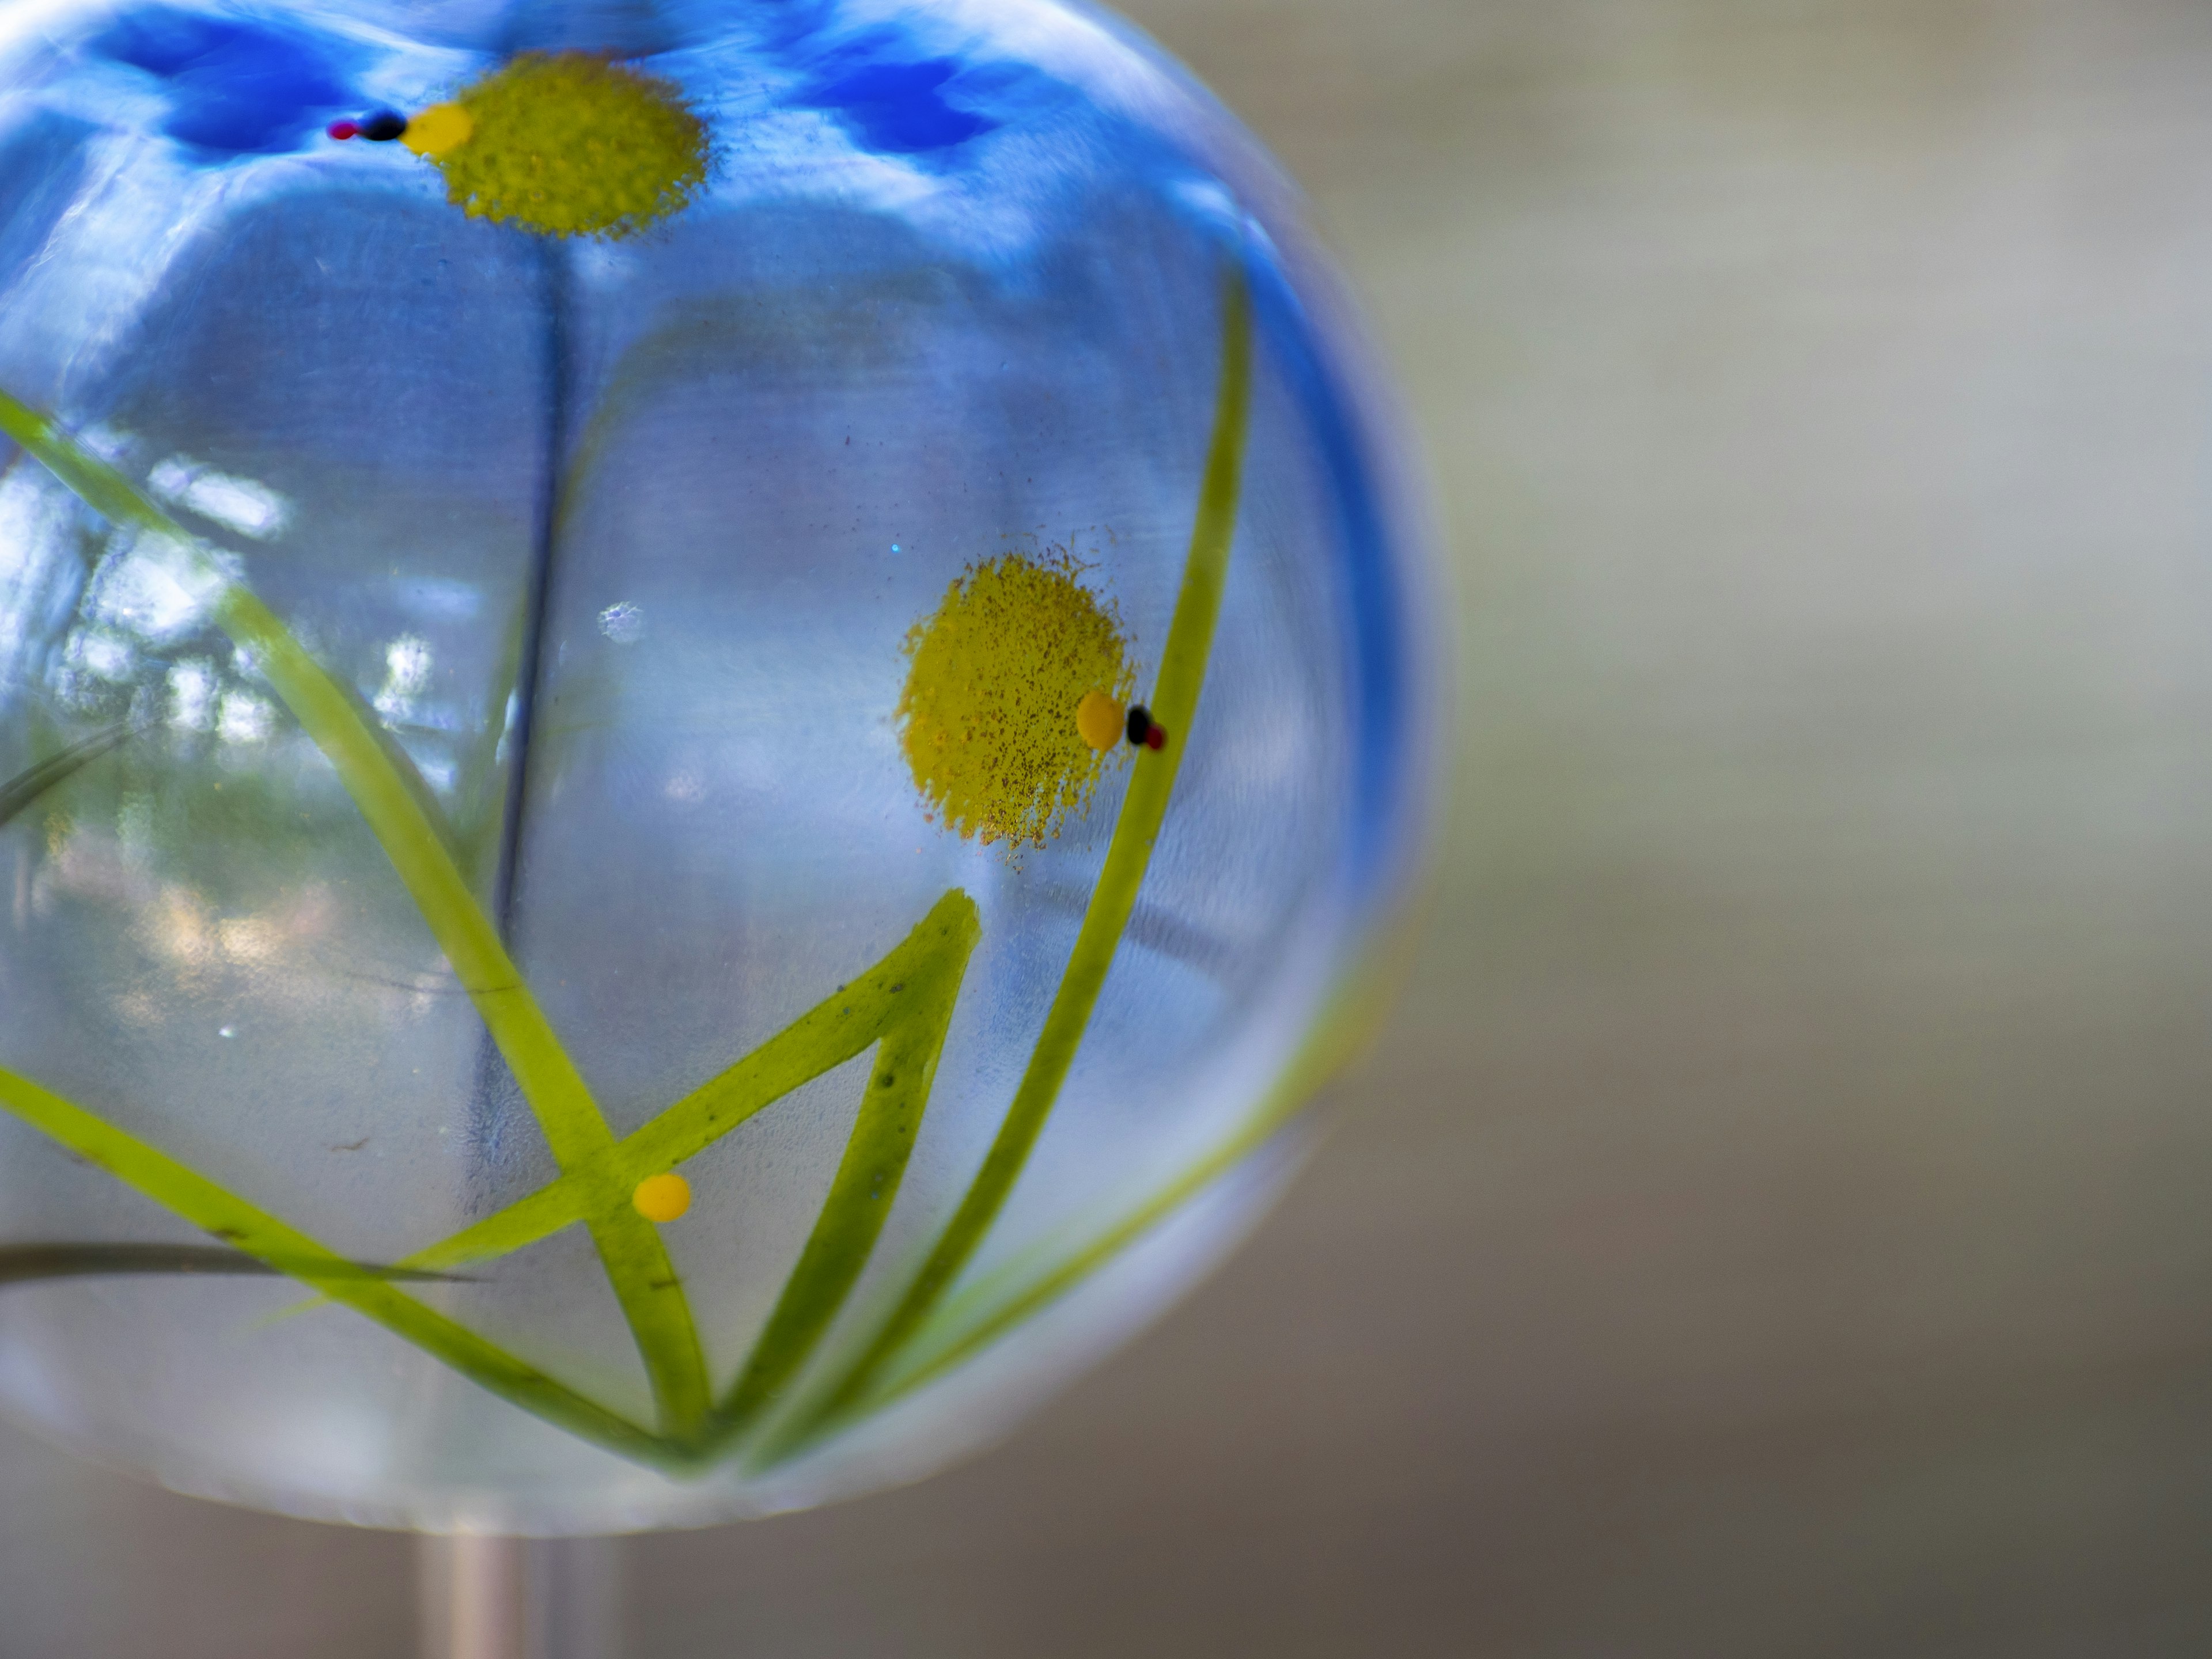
(379, 127)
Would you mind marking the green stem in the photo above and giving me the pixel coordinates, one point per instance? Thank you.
(636, 1260)
(843, 1024)
(257, 1233)
(1174, 704)
(860, 1198)
(971, 1321)
(20, 791)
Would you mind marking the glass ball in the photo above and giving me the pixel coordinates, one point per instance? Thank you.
(710, 711)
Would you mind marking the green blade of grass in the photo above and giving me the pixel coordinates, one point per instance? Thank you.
(843, 1024)
(896, 1002)
(630, 1248)
(1174, 703)
(230, 1219)
(32, 1264)
(635, 1258)
(20, 791)
(87, 477)
(862, 1196)
(971, 1322)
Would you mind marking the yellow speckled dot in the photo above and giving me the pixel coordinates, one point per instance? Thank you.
(662, 1198)
(568, 144)
(984, 720)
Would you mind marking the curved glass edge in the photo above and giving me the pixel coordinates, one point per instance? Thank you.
(1395, 658)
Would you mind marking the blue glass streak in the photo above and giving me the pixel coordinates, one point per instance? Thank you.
(1378, 646)
(238, 88)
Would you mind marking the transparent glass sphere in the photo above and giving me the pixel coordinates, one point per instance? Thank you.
(710, 710)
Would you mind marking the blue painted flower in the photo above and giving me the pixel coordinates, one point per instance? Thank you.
(892, 107)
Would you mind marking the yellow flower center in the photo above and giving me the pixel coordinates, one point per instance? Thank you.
(991, 717)
(567, 144)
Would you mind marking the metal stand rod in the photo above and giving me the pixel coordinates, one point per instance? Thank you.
(520, 1598)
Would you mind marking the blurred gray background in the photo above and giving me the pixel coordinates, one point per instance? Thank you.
(1776, 1221)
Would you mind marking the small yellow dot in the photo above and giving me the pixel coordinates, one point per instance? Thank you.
(662, 1197)
(439, 131)
(1100, 718)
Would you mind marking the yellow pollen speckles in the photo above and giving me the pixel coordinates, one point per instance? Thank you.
(1102, 720)
(984, 721)
(439, 131)
(567, 144)
(662, 1198)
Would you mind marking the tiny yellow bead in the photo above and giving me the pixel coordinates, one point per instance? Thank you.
(1100, 718)
(662, 1197)
(439, 131)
